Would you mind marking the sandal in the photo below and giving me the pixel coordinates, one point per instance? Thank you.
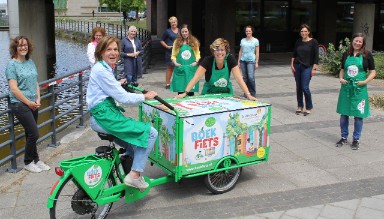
(298, 112)
(306, 113)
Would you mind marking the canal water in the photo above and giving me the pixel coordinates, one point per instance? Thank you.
(70, 57)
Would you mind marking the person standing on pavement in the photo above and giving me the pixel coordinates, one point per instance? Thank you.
(217, 70)
(131, 52)
(167, 40)
(102, 92)
(304, 63)
(357, 70)
(185, 56)
(97, 34)
(249, 59)
(24, 94)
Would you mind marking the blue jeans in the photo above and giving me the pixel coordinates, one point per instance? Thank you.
(248, 71)
(303, 76)
(28, 119)
(358, 127)
(139, 154)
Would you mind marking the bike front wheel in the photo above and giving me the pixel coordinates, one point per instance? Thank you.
(73, 202)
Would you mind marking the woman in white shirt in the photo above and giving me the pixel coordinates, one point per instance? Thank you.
(97, 34)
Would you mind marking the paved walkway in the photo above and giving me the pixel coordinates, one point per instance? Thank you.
(306, 176)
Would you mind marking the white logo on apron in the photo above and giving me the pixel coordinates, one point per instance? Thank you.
(361, 106)
(186, 54)
(352, 71)
(222, 82)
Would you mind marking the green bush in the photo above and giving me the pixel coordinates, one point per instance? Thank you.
(379, 65)
(331, 61)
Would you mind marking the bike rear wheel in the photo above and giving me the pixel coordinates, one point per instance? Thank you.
(72, 202)
(222, 181)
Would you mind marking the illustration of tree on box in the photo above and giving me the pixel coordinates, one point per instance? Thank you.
(172, 149)
(165, 140)
(234, 131)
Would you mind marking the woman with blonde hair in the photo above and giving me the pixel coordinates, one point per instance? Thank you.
(185, 56)
(217, 69)
(167, 40)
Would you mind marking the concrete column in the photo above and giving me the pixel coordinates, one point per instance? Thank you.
(364, 21)
(36, 30)
(51, 44)
(162, 19)
(13, 13)
(151, 16)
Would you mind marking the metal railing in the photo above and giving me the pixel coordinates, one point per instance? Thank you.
(63, 98)
(117, 30)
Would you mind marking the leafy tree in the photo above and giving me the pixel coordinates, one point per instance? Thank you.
(126, 5)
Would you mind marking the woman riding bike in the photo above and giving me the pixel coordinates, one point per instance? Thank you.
(102, 92)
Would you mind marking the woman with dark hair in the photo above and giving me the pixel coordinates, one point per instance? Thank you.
(185, 56)
(357, 70)
(97, 34)
(304, 62)
(24, 94)
(217, 70)
(102, 92)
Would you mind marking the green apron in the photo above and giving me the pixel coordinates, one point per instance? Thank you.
(219, 82)
(353, 99)
(183, 74)
(110, 118)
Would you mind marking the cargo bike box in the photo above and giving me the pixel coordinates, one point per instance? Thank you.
(207, 134)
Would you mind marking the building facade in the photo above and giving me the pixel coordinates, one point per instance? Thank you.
(276, 22)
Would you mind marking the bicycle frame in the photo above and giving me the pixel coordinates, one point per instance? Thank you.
(91, 173)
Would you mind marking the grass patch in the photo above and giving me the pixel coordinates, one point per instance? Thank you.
(377, 101)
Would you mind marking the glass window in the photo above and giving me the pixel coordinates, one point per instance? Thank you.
(381, 18)
(248, 13)
(275, 15)
(344, 22)
(303, 12)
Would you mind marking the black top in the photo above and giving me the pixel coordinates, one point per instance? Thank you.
(306, 53)
(368, 62)
(208, 62)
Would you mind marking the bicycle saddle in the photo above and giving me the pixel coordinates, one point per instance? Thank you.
(103, 151)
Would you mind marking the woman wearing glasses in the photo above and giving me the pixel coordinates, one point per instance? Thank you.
(24, 94)
(217, 69)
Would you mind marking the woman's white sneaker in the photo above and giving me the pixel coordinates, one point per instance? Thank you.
(32, 167)
(40, 164)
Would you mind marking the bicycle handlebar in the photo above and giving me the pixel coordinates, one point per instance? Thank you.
(130, 88)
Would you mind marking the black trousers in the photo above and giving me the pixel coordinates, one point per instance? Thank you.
(28, 119)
